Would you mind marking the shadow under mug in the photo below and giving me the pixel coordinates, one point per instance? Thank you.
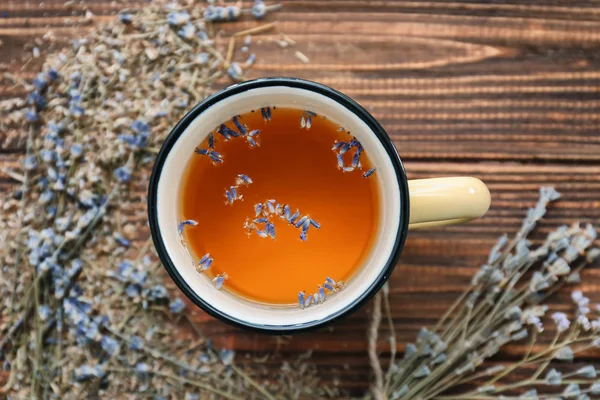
(404, 204)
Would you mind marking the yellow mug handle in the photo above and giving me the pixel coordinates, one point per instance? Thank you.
(446, 201)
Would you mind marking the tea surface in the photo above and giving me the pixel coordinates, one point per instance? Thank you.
(291, 165)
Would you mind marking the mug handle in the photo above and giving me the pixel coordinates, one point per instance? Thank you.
(446, 201)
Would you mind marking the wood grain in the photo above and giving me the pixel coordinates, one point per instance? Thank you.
(507, 92)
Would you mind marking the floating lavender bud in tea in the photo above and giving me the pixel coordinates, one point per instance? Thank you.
(356, 158)
(271, 229)
(182, 224)
(241, 127)
(261, 233)
(303, 236)
(215, 157)
(321, 292)
(219, 280)
(243, 180)
(266, 113)
(293, 218)
(340, 161)
(301, 299)
(308, 300)
(301, 221)
(306, 225)
(226, 132)
(204, 263)
(369, 172)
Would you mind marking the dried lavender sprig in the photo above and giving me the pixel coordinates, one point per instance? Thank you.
(132, 21)
(576, 238)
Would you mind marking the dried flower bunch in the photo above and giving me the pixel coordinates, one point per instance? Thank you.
(84, 311)
(504, 304)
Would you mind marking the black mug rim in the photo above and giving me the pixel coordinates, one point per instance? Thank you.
(344, 101)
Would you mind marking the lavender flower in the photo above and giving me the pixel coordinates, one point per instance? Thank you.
(44, 312)
(178, 18)
(226, 132)
(422, 372)
(266, 113)
(30, 163)
(219, 280)
(204, 263)
(553, 378)
(589, 372)
(142, 368)
(109, 345)
(123, 174)
(235, 72)
(564, 353)
(584, 322)
(136, 343)
(243, 180)
(187, 31)
(86, 372)
(561, 321)
(270, 229)
(215, 157)
(259, 9)
(219, 13)
(301, 295)
(177, 306)
(369, 172)
(182, 224)
(572, 390)
(240, 127)
(581, 301)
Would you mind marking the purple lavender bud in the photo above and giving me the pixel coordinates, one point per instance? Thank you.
(240, 126)
(301, 299)
(369, 172)
(301, 221)
(181, 225)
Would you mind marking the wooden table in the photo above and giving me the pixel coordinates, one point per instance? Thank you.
(509, 93)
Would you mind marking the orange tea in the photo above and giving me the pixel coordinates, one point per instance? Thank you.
(277, 205)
